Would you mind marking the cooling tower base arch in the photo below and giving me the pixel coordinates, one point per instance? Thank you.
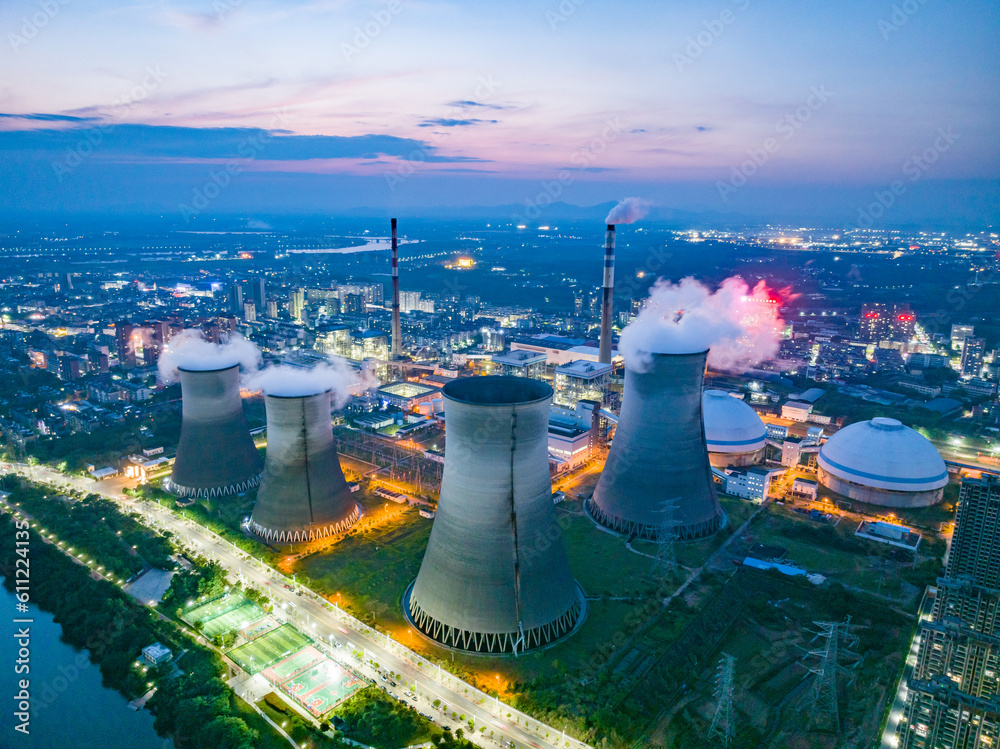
(286, 537)
(495, 643)
(210, 492)
(689, 532)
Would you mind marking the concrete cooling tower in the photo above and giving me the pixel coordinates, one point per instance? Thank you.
(659, 455)
(495, 578)
(216, 455)
(303, 494)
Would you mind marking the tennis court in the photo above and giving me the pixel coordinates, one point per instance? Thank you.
(258, 654)
(323, 686)
(233, 619)
(282, 671)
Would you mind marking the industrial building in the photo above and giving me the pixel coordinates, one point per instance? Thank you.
(495, 577)
(952, 696)
(659, 455)
(734, 433)
(580, 380)
(883, 462)
(303, 494)
(753, 483)
(215, 455)
(520, 364)
(408, 395)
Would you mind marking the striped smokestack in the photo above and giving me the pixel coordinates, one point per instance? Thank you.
(396, 335)
(604, 352)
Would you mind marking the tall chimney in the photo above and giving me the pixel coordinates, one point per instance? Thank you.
(396, 335)
(604, 352)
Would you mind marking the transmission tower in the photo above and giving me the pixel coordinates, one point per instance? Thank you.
(723, 727)
(666, 537)
(827, 666)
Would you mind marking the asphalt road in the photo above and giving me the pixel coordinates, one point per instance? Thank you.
(310, 612)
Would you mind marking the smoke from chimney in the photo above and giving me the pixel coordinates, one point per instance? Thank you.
(738, 326)
(334, 375)
(628, 211)
(190, 350)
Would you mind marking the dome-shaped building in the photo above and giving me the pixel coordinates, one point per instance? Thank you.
(734, 432)
(883, 462)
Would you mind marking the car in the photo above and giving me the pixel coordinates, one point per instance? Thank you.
(445, 728)
(393, 683)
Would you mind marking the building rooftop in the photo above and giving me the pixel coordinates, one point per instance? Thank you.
(408, 389)
(731, 426)
(584, 369)
(518, 358)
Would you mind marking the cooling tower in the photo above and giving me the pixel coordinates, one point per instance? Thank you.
(607, 301)
(495, 578)
(216, 455)
(303, 494)
(659, 455)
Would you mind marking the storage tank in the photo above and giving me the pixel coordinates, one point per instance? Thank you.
(659, 454)
(734, 433)
(303, 494)
(495, 577)
(215, 455)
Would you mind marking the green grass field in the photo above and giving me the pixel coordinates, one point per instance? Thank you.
(283, 670)
(203, 612)
(323, 686)
(272, 647)
(246, 612)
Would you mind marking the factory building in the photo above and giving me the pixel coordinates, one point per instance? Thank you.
(883, 462)
(215, 455)
(659, 455)
(734, 433)
(520, 364)
(495, 577)
(580, 380)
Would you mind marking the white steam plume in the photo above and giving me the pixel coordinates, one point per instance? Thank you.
(738, 326)
(190, 350)
(628, 211)
(335, 375)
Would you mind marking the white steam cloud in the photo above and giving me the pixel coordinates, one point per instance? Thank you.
(738, 326)
(628, 211)
(335, 375)
(189, 350)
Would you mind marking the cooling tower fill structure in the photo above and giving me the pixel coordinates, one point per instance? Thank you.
(303, 494)
(659, 455)
(495, 577)
(216, 456)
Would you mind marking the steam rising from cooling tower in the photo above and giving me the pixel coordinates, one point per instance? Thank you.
(216, 455)
(739, 326)
(659, 456)
(189, 350)
(303, 494)
(335, 375)
(495, 578)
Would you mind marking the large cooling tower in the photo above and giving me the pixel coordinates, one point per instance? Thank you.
(303, 494)
(495, 578)
(659, 455)
(216, 455)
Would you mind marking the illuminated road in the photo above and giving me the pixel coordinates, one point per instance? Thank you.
(325, 621)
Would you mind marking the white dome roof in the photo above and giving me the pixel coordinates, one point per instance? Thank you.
(731, 426)
(884, 454)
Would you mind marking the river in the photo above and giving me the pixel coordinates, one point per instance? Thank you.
(72, 708)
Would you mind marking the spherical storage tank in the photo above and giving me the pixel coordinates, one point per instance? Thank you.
(883, 462)
(734, 433)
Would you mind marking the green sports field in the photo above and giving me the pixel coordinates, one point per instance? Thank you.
(323, 686)
(203, 612)
(283, 670)
(246, 612)
(270, 648)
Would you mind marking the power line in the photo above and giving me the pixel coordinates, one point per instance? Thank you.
(723, 727)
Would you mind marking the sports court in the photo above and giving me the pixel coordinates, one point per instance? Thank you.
(202, 612)
(272, 647)
(282, 671)
(232, 620)
(323, 686)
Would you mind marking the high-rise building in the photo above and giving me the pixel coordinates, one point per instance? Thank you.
(272, 309)
(250, 312)
(125, 345)
(958, 335)
(873, 322)
(954, 694)
(973, 350)
(296, 303)
(236, 299)
(259, 293)
(887, 322)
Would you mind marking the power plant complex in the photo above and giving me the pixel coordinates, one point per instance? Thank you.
(658, 472)
(216, 456)
(303, 494)
(495, 577)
